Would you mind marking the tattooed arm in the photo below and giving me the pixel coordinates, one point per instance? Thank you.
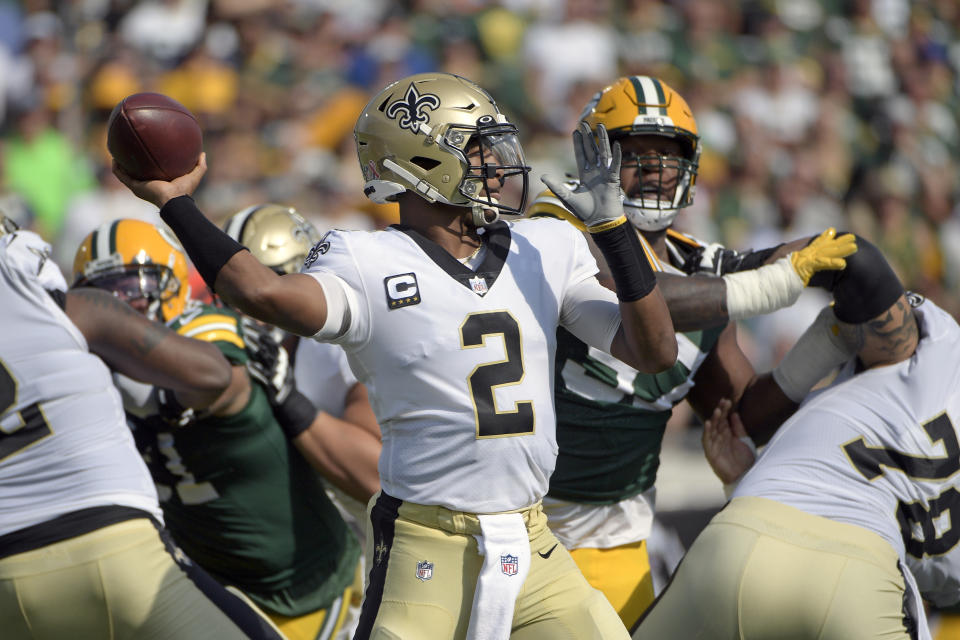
(888, 338)
(148, 351)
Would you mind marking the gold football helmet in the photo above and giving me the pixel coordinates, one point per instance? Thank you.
(276, 235)
(442, 137)
(135, 260)
(643, 105)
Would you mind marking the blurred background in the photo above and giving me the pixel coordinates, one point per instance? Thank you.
(813, 113)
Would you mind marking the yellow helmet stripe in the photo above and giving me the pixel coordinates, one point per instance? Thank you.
(651, 99)
(219, 336)
(204, 323)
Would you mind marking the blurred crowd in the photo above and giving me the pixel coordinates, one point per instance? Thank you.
(813, 113)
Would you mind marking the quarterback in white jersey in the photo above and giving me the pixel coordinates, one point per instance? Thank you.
(483, 340)
(82, 554)
(450, 320)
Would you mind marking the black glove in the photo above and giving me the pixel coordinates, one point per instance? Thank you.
(268, 362)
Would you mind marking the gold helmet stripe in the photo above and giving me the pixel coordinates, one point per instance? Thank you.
(651, 99)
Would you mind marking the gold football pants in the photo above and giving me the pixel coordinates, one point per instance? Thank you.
(423, 567)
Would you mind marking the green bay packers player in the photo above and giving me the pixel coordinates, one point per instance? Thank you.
(611, 418)
(450, 320)
(849, 515)
(236, 495)
(83, 552)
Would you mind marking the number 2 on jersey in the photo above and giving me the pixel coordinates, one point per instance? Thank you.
(913, 517)
(487, 377)
(31, 426)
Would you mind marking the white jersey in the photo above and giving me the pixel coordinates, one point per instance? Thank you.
(323, 375)
(880, 450)
(459, 363)
(64, 442)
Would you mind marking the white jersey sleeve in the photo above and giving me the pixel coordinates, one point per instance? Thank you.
(323, 375)
(880, 450)
(459, 361)
(64, 442)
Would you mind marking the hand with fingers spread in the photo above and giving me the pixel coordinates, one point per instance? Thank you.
(825, 252)
(726, 444)
(598, 200)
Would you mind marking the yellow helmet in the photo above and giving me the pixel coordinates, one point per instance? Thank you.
(414, 135)
(644, 105)
(135, 260)
(276, 235)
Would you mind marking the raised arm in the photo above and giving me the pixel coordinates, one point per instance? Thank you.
(148, 351)
(645, 339)
(292, 302)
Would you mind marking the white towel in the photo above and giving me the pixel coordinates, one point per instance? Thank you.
(505, 547)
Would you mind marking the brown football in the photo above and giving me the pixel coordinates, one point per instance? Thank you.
(154, 137)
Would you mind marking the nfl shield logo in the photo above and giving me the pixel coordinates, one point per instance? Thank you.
(478, 284)
(424, 570)
(509, 565)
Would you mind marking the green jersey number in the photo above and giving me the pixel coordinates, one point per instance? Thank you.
(487, 377)
(31, 424)
(873, 462)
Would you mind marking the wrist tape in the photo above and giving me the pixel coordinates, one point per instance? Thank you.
(762, 290)
(630, 259)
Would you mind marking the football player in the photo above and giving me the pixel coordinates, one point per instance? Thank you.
(450, 319)
(611, 418)
(851, 512)
(83, 553)
(236, 495)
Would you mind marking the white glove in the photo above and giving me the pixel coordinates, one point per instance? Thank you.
(598, 200)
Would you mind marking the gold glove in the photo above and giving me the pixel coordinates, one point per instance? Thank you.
(826, 252)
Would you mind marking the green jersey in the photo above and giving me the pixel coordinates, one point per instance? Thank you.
(611, 418)
(240, 500)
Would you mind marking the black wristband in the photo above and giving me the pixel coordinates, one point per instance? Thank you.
(295, 414)
(209, 248)
(628, 262)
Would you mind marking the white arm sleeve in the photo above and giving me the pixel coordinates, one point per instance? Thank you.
(591, 312)
(342, 307)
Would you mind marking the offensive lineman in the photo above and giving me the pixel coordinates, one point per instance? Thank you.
(611, 418)
(858, 486)
(82, 549)
(449, 318)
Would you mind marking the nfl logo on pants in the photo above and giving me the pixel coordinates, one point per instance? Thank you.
(509, 564)
(424, 570)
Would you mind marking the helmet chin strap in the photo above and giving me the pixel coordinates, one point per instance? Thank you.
(481, 216)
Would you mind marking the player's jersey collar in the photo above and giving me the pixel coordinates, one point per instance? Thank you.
(497, 238)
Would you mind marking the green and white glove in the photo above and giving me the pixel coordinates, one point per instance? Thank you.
(598, 201)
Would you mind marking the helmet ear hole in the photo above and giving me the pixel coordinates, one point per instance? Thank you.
(425, 163)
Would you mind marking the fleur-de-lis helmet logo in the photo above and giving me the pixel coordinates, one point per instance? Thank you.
(408, 111)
